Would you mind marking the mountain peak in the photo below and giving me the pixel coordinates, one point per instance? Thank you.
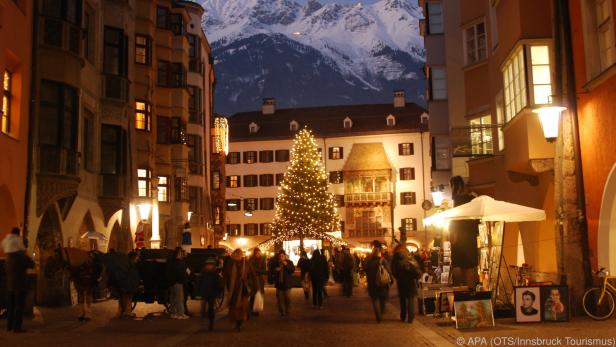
(311, 7)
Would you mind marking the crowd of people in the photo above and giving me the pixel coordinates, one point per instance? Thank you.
(242, 279)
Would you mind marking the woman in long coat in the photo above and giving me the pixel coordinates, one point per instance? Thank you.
(240, 282)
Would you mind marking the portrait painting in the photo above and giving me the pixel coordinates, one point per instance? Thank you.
(555, 303)
(527, 304)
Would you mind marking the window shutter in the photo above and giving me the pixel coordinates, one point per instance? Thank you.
(399, 149)
(331, 152)
(239, 180)
(228, 181)
(412, 145)
(427, 19)
(341, 153)
(430, 93)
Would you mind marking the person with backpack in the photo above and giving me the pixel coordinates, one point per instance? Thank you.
(379, 278)
(406, 270)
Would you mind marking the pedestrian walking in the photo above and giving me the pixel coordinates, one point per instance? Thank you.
(17, 263)
(258, 263)
(210, 288)
(379, 278)
(304, 266)
(240, 281)
(282, 271)
(127, 286)
(178, 278)
(319, 274)
(347, 271)
(406, 270)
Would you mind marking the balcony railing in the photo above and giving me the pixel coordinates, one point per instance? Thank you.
(360, 198)
(58, 160)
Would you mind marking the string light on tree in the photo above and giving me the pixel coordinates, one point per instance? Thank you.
(305, 208)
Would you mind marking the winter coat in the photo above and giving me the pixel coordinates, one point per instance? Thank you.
(406, 271)
(282, 278)
(304, 265)
(372, 269)
(211, 284)
(319, 270)
(17, 264)
(348, 264)
(240, 282)
(260, 271)
(177, 271)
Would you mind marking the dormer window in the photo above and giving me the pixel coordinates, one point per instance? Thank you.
(347, 123)
(253, 128)
(391, 120)
(293, 126)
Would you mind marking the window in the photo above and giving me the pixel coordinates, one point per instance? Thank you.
(217, 215)
(163, 188)
(391, 121)
(406, 149)
(266, 228)
(435, 17)
(194, 105)
(176, 23)
(56, 12)
(88, 140)
(251, 229)
(541, 75)
(438, 83)
(409, 224)
(170, 130)
(253, 128)
(143, 115)
(408, 198)
(336, 153)
(7, 84)
(143, 49)
(604, 26)
(215, 180)
(111, 150)
(293, 126)
(162, 17)
(162, 73)
(500, 120)
(234, 229)
(267, 203)
(250, 180)
(88, 35)
(514, 81)
(234, 181)
(250, 204)
(233, 204)
(178, 75)
(195, 162)
(282, 155)
(475, 39)
(266, 156)
(233, 158)
(335, 177)
(172, 75)
(266, 180)
(194, 202)
(481, 135)
(339, 200)
(143, 182)
(279, 178)
(115, 52)
(348, 123)
(407, 173)
(194, 52)
(181, 189)
(250, 157)
(58, 115)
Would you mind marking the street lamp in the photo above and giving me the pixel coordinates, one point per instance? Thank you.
(188, 215)
(438, 195)
(549, 116)
(144, 211)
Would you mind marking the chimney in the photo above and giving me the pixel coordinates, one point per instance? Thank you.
(399, 98)
(269, 106)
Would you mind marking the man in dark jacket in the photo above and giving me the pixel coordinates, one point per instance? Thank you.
(304, 267)
(17, 263)
(348, 268)
(211, 286)
(282, 271)
(379, 293)
(319, 274)
(406, 271)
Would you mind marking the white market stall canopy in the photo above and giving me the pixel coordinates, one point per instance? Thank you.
(487, 209)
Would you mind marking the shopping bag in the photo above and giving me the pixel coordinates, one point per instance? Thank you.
(258, 304)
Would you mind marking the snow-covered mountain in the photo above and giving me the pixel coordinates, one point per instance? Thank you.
(313, 54)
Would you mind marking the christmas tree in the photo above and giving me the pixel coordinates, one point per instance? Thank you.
(305, 208)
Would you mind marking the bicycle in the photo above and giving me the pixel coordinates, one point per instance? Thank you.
(598, 302)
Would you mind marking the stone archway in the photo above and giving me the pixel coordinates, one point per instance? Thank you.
(52, 281)
(8, 214)
(86, 226)
(606, 236)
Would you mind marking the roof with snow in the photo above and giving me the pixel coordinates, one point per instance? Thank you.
(327, 121)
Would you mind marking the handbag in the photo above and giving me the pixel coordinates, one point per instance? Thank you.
(383, 277)
(258, 304)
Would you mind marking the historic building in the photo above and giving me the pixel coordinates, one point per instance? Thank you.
(377, 157)
(122, 118)
(15, 70)
(497, 60)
